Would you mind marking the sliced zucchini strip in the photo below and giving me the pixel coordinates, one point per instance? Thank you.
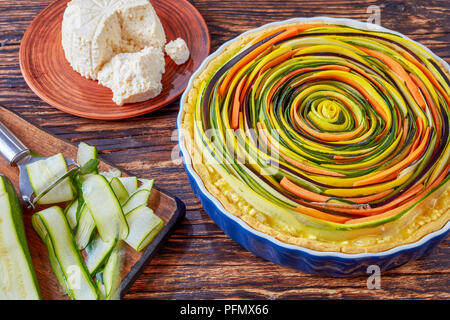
(119, 190)
(139, 197)
(86, 227)
(100, 285)
(130, 183)
(86, 153)
(71, 214)
(111, 276)
(17, 277)
(105, 208)
(144, 226)
(43, 173)
(54, 230)
(146, 184)
(113, 173)
(98, 252)
(56, 267)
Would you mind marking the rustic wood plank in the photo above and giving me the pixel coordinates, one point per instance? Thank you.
(200, 261)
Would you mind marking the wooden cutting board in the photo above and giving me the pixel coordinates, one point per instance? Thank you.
(169, 208)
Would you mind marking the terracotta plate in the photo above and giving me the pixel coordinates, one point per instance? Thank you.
(50, 76)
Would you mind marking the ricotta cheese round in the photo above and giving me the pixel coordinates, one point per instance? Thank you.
(93, 32)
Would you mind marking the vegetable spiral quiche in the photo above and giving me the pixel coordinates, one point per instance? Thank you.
(325, 136)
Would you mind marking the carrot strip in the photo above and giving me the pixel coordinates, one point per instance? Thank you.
(310, 169)
(403, 207)
(440, 178)
(368, 76)
(383, 215)
(277, 61)
(398, 69)
(399, 157)
(431, 104)
(367, 199)
(405, 130)
(302, 193)
(327, 136)
(357, 86)
(409, 159)
(418, 134)
(321, 215)
(289, 32)
(295, 162)
(325, 67)
(248, 82)
(237, 105)
(428, 74)
(267, 34)
(390, 177)
(371, 212)
(252, 55)
(299, 71)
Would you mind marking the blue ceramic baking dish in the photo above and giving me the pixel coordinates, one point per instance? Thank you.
(331, 264)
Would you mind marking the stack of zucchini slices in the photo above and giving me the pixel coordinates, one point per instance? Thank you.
(85, 241)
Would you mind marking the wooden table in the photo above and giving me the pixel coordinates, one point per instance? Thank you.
(200, 261)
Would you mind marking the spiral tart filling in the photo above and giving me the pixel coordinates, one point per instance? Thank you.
(326, 136)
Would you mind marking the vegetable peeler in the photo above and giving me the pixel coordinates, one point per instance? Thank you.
(16, 153)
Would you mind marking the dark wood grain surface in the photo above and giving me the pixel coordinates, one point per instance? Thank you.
(200, 261)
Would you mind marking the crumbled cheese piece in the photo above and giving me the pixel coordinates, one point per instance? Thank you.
(95, 31)
(134, 77)
(178, 51)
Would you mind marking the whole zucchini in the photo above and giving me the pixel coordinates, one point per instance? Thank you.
(17, 277)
